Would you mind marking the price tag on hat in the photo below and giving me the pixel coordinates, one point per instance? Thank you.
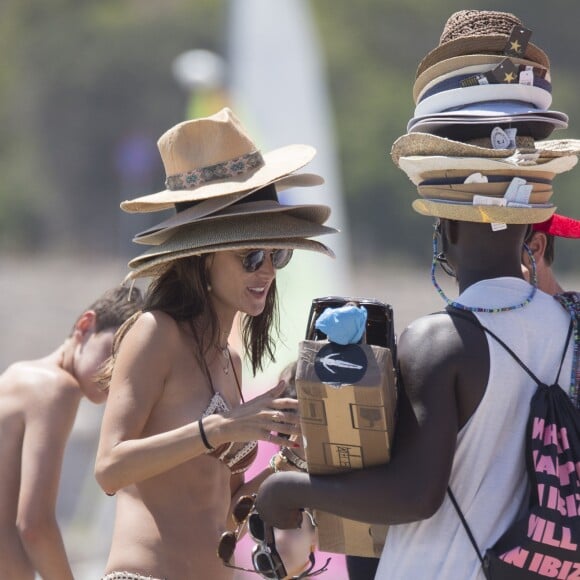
(518, 41)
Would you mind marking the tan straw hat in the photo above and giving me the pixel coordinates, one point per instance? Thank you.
(419, 167)
(159, 233)
(251, 227)
(468, 212)
(425, 144)
(214, 156)
(477, 200)
(157, 264)
(477, 32)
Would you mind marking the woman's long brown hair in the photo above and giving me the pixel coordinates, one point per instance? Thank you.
(182, 292)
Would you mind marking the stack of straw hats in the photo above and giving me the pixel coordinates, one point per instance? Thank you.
(477, 146)
(224, 192)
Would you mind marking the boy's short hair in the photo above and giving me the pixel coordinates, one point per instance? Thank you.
(115, 306)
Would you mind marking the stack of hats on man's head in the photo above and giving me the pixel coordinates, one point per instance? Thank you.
(477, 146)
(224, 191)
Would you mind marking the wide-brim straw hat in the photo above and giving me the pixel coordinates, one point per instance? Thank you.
(250, 227)
(156, 265)
(215, 156)
(412, 144)
(467, 64)
(476, 32)
(421, 167)
(468, 212)
(159, 233)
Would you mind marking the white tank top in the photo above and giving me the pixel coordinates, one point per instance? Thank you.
(488, 475)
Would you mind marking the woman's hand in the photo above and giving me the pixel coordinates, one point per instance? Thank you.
(267, 417)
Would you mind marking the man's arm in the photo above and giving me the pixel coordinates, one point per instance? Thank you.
(47, 429)
(412, 485)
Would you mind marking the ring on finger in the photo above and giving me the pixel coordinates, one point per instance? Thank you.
(277, 418)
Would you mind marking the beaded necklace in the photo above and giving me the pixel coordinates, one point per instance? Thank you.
(571, 302)
(460, 306)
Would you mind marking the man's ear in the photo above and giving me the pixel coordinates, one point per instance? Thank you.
(537, 245)
(85, 324)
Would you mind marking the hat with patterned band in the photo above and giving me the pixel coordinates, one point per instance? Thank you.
(482, 31)
(214, 156)
(470, 64)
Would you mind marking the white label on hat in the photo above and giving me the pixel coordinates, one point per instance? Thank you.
(511, 132)
(518, 191)
(527, 77)
(487, 200)
(476, 178)
(500, 139)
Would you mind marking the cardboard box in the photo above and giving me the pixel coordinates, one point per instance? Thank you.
(347, 397)
(344, 536)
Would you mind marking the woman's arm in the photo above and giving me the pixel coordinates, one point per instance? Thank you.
(142, 369)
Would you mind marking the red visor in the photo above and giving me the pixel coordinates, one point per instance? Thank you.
(559, 225)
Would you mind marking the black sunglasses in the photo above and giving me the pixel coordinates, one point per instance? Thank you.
(254, 259)
(440, 256)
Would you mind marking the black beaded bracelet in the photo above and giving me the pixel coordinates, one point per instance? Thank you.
(203, 435)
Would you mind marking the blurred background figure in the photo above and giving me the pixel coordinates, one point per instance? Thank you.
(39, 400)
(542, 241)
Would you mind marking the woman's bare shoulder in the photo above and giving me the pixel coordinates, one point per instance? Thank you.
(156, 326)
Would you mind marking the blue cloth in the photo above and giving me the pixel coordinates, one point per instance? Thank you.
(344, 325)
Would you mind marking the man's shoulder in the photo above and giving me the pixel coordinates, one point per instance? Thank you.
(441, 337)
(428, 326)
(36, 378)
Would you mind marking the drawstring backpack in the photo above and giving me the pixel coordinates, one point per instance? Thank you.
(544, 542)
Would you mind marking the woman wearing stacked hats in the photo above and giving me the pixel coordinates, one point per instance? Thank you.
(177, 434)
